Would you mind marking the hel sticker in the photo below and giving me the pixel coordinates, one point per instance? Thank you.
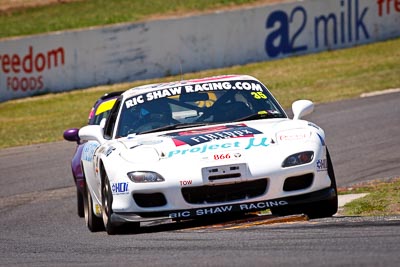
(119, 188)
(322, 165)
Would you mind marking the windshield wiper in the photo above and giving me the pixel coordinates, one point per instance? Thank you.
(174, 126)
(257, 116)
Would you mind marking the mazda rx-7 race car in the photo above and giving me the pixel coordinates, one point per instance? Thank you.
(208, 147)
(100, 110)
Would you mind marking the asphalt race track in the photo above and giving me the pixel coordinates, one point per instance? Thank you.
(363, 136)
(40, 227)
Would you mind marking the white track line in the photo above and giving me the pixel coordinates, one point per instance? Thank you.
(383, 92)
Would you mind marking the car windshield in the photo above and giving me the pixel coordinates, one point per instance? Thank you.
(198, 104)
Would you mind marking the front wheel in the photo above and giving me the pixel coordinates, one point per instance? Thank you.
(79, 203)
(326, 208)
(319, 209)
(107, 199)
(94, 223)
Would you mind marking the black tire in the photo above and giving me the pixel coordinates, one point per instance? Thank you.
(94, 223)
(106, 201)
(326, 208)
(80, 204)
(319, 209)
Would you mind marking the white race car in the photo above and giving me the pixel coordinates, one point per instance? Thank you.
(207, 147)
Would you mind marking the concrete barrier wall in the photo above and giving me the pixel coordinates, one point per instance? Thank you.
(69, 60)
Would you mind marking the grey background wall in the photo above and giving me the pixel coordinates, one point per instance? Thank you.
(63, 61)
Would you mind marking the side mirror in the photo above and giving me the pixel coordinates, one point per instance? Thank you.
(302, 108)
(103, 122)
(92, 133)
(72, 135)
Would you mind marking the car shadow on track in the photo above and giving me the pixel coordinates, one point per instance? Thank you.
(170, 225)
(212, 223)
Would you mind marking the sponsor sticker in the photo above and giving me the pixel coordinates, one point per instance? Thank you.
(120, 188)
(185, 182)
(88, 151)
(194, 88)
(205, 148)
(199, 136)
(322, 165)
(245, 207)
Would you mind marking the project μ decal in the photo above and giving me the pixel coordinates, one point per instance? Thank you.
(195, 137)
(250, 143)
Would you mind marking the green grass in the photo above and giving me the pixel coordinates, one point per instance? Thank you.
(383, 199)
(323, 77)
(81, 14)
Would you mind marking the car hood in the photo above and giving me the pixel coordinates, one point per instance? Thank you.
(190, 143)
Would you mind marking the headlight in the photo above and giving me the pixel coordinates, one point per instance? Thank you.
(145, 177)
(298, 159)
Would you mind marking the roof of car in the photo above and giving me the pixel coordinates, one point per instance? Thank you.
(157, 86)
(111, 94)
(105, 97)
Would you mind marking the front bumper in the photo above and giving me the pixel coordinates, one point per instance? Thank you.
(245, 207)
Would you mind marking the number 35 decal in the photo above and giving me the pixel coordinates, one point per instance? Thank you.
(258, 95)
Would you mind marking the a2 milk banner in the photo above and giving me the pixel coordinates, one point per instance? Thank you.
(63, 61)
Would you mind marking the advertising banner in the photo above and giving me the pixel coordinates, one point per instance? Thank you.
(63, 61)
